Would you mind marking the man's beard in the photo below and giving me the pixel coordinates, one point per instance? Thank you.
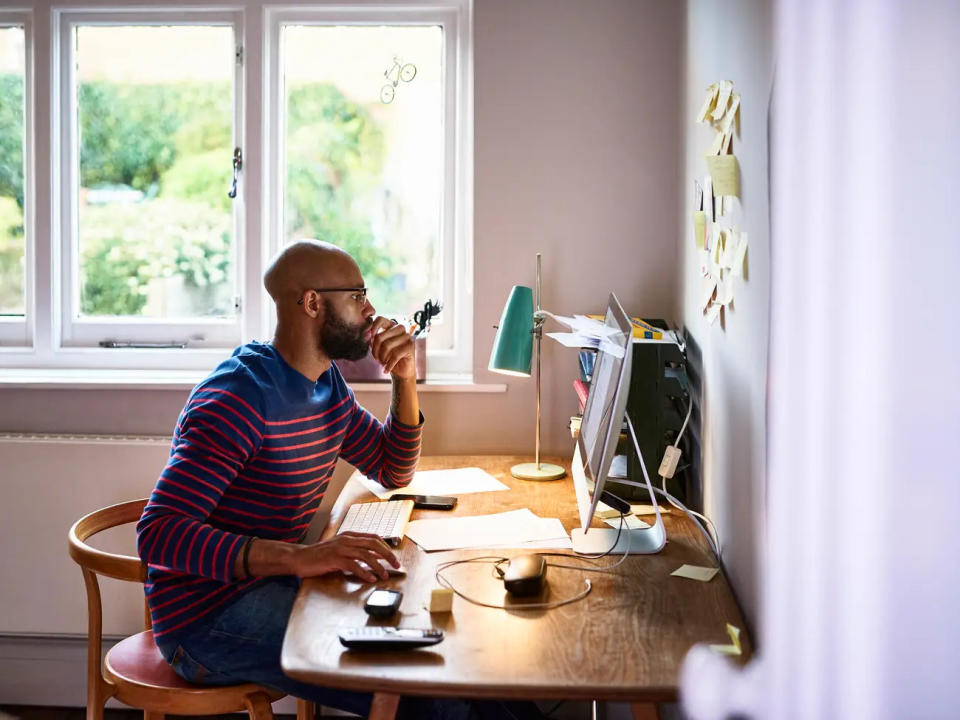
(341, 341)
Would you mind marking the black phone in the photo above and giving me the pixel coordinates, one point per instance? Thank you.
(382, 603)
(428, 502)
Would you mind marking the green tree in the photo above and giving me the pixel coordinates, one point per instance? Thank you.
(11, 136)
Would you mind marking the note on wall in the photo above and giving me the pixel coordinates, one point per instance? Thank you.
(699, 228)
(726, 124)
(723, 99)
(709, 102)
(724, 174)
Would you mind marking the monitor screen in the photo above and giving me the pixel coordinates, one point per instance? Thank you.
(606, 403)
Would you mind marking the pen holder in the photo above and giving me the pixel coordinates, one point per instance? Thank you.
(367, 369)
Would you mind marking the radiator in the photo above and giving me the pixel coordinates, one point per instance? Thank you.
(47, 482)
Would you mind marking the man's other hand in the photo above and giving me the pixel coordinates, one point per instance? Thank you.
(355, 553)
(393, 347)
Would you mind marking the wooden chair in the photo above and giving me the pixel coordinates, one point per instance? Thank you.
(134, 672)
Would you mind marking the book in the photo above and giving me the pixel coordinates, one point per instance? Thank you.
(641, 328)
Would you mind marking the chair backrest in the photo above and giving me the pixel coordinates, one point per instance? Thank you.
(121, 567)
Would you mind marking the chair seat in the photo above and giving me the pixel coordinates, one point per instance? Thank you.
(143, 678)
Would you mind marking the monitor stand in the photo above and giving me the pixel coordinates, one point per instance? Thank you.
(642, 541)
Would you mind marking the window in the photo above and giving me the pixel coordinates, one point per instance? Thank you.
(14, 193)
(188, 146)
(149, 253)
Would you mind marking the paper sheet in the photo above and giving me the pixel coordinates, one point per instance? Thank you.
(708, 197)
(734, 647)
(630, 522)
(511, 529)
(459, 481)
(726, 136)
(723, 173)
(574, 340)
(725, 291)
(707, 287)
(696, 572)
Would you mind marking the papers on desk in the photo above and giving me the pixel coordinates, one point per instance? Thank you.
(459, 481)
(512, 529)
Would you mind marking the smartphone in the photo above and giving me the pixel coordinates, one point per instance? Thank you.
(428, 502)
(382, 603)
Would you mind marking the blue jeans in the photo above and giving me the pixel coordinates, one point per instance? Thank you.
(241, 643)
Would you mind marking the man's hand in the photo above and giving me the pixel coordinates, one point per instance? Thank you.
(392, 346)
(350, 552)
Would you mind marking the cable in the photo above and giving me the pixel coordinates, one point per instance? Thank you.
(714, 537)
(526, 606)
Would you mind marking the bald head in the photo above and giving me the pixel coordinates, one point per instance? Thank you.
(309, 264)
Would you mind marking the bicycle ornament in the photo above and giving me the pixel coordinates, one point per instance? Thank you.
(399, 72)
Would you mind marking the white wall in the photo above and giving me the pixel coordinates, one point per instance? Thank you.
(732, 41)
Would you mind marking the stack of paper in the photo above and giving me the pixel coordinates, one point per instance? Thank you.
(512, 529)
(458, 481)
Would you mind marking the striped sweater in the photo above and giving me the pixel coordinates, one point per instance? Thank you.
(252, 454)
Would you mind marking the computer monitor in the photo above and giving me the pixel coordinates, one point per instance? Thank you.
(603, 417)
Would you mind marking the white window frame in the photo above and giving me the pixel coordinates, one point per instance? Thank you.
(51, 343)
(88, 332)
(456, 236)
(17, 333)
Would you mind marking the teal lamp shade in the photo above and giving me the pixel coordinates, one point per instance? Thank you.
(513, 346)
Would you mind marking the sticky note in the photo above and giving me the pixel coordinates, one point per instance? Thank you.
(724, 174)
(725, 291)
(696, 572)
(740, 255)
(700, 229)
(708, 102)
(734, 647)
(730, 242)
(725, 143)
(441, 600)
(630, 522)
(647, 509)
(726, 125)
(723, 98)
(717, 145)
(715, 236)
(708, 196)
(713, 312)
(707, 287)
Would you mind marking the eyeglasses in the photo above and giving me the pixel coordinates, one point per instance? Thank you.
(359, 294)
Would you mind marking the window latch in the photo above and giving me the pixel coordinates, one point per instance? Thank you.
(237, 166)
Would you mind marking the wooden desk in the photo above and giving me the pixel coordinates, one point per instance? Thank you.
(625, 641)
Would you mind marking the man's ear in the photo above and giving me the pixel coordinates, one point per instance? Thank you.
(312, 305)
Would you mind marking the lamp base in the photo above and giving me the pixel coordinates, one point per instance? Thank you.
(531, 471)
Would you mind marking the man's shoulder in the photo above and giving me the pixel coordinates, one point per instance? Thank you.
(243, 378)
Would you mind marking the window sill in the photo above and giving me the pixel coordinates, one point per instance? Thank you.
(109, 379)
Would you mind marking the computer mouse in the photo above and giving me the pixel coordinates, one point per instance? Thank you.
(525, 575)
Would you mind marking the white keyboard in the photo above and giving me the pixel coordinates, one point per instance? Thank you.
(386, 518)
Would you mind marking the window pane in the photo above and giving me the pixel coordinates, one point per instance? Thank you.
(155, 116)
(364, 152)
(12, 245)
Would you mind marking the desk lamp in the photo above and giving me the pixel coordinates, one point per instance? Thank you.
(520, 329)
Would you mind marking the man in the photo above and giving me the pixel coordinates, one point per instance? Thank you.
(252, 454)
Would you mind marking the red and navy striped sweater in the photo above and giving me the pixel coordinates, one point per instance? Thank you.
(252, 454)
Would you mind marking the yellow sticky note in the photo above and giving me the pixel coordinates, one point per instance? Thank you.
(708, 103)
(441, 600)
(725, 145)
(734, 647)
(723, 99)
(724, 174)
(630, 522)
(648, 510)
(696, 572)
(700, 228)
(726, 125)
(739, 255)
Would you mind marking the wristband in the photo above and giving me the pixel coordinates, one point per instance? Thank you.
(246, 558)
